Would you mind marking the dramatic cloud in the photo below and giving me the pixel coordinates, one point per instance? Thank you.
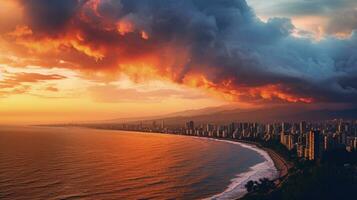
(17, 83)
(19, 78)
(52, 89)
(50, 16)
(217, 45)
(338, 17)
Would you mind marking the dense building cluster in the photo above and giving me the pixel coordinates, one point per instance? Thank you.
(308, 140)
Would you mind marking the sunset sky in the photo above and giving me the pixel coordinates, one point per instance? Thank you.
(79, 60)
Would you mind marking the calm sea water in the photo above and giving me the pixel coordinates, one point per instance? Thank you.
(80, 163)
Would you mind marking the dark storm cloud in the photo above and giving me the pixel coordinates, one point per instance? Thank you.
(225, 41)
(50, 15)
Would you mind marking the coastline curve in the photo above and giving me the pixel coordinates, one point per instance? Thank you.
(236, 189)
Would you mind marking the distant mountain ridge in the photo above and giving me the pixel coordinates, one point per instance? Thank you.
(227, 114)
(185, 113)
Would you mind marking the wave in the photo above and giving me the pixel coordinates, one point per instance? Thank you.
(264, 169)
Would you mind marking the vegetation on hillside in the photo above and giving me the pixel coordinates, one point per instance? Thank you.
(334, 176)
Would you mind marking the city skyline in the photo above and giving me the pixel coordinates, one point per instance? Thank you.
(77, 60)
(303, 139)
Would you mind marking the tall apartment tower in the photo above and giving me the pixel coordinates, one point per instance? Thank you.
(162, 124)
(302, 127)
(314, 144)
(190, 125)
(283, 127)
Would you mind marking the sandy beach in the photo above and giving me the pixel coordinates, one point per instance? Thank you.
(280, 163)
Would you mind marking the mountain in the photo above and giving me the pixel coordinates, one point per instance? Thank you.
(185, 113)
(230, 113)
(273, 114)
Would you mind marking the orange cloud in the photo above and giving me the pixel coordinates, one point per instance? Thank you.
(31, 77)
(21, 31)
(93, 43)
(14, 91)
(144, 35)
(24, 36)
(125, 27)
(52, 89)
(229, 91)
(271, 92)
(17, 83)
(148, 66)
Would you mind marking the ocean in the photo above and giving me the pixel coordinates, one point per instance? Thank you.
(81, 163)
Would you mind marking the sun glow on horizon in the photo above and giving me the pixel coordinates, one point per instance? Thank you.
(36, 96)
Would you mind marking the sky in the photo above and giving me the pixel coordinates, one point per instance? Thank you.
(84, 60)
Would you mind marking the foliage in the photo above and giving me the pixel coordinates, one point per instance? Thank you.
(333, 177)
(264, 185)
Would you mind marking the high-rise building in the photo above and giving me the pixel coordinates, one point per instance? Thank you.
(327, 142)
(231, 128)
(269, 129)
(302, 127)
(283, 127)
(190, 125)
(209, 127)
(340, 127)
(300, 151)
(162, 124)
(314, 144)
(342, 137)
(290, 142)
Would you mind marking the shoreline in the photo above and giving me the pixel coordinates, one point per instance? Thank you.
(280, 163)
(236, 189)
(274, 167)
